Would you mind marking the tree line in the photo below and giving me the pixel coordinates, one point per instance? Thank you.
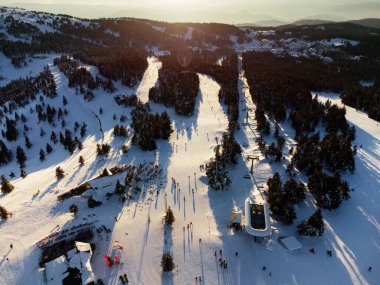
(148, 127)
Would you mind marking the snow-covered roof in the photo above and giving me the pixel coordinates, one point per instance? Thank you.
(71, 253)
(107, 172)
(83, 246)
(86, 271)
(291, 243)
(55, 270)
(87, 276)
(75, 261)
(79, 257)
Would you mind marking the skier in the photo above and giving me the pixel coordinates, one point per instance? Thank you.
(11, 246)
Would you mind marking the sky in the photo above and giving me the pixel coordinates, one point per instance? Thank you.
(225, 11)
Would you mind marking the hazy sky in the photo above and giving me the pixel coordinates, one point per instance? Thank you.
(228, 11)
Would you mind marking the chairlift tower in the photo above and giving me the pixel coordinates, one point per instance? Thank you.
(252, 158)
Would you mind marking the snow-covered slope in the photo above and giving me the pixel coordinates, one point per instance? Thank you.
(352, 232)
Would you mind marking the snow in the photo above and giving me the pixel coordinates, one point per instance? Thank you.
(366, 83)
(158, 28)
(34, 67)
(149, 79)
(291, 243)
(82, 246)
(75, 260)
(115, 34)
(55, 270)
(189, 34)
(339, 42)
(352, 232)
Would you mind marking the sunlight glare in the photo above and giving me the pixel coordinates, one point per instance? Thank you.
(180, 2)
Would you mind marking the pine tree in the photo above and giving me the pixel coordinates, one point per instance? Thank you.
(279, 201)
(22, 173)
(167, 263)
(80, 145)
(59, 173)
(119, 189)
(28, 144)
(293, 191)
(5, 153)
(4, 214)
(73, 209)
(11, 132)
(166, 126)
(81, 160)
(53, 137)
(83, 129)
(169, 217)
(64, 101)
(21, 157)
(6, 186)
(217, 173)
(42, 155)
(49, 148)
(42, 132)
(313, 226)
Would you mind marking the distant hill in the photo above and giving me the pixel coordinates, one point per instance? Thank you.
(369, 22)
(263, 23)
(269, 23)
(310, 22)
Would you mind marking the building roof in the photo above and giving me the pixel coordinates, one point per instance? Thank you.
(56, 270)
(291, 243)
(79, 257)
(83, 246)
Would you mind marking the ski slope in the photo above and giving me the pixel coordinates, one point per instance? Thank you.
(352, 232)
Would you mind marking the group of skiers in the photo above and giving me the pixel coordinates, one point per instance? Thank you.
(222, 262)
(124, 278)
